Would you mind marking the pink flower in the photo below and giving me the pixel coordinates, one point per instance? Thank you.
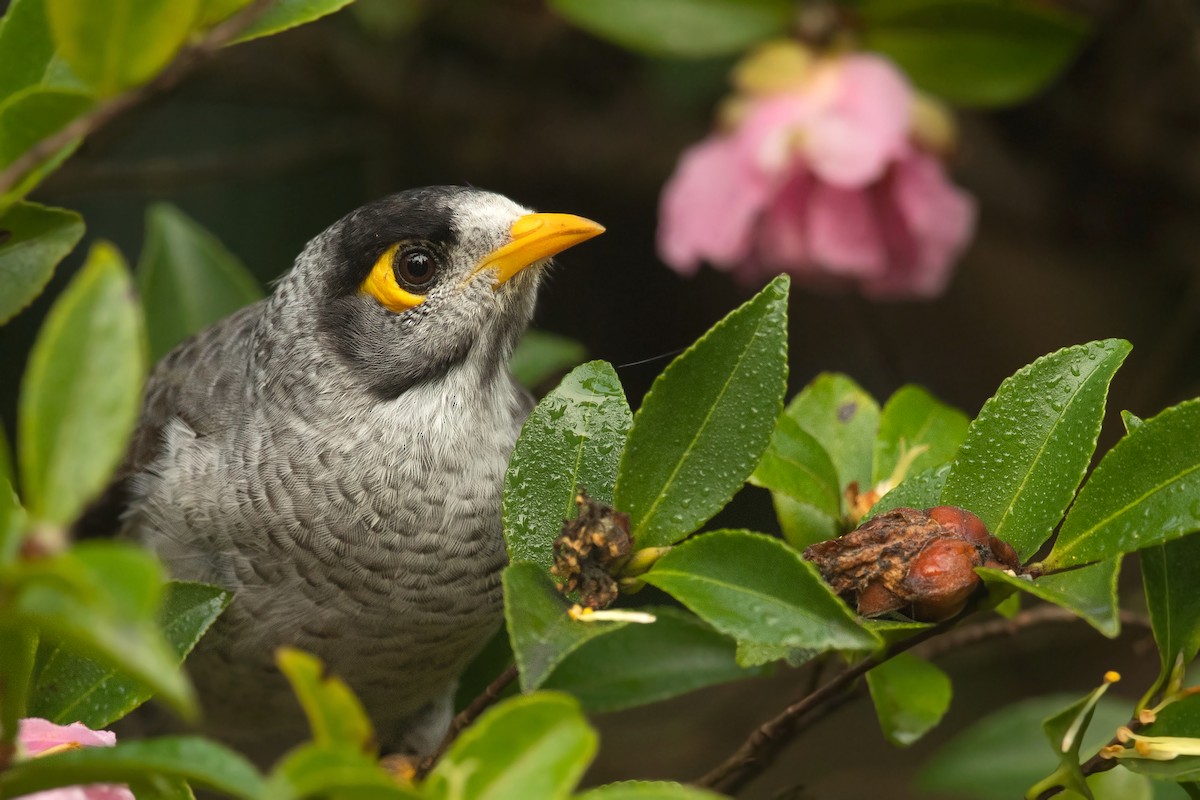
(822, 175)
(39, 737)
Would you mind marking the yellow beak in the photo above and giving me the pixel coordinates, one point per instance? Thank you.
(534, 237)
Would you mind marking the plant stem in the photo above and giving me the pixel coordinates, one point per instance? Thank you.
(464, 718)
(104, 112)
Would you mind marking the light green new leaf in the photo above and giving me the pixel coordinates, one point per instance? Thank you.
(1002, 755)
(82, 389)
(647, 790)
(802, 524)
(541, 356)
(1028, 449)
(285, 14)
(922, 490)
(1170, 575)
(705, 422)
(641, 664)
(194, 759)
(839, 414)
(12, 524)
(1090, 592)
(1066, 731)
(327, 771)
(759, 591)
(35, 239)
(913, 418)
(1144, 492)
(573, 439)
(526, 748)
(1003, 51)
(911, 696)
(120, 43)
(335, 715)
(541, 633)
(797, 466)
(71, 688)
(27, 56)
(1179, 720)
(187, 279)
(680, 28)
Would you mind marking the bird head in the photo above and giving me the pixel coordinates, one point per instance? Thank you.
(420, 281)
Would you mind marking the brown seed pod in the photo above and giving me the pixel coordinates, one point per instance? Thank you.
(942, 577)
(588, 550)
(961, 523)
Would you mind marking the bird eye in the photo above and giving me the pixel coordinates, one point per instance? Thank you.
(414, 266)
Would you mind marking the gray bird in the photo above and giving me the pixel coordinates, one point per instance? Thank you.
(334, 455)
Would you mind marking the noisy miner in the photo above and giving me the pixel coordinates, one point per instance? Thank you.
(334, 455)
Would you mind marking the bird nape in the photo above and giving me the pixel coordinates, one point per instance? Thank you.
(334, 455)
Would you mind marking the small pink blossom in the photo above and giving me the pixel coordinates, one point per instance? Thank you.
(40, 737)
(821, 175)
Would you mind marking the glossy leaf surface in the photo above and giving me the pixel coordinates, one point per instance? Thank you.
(285, 14)
(911, 696)
(1171, 575)
(1090, 592)
(796, 465)
(844, 418)
(912, 418)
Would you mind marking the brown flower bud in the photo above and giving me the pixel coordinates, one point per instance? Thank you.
(942, 577)
(961, 522)
(877, 599)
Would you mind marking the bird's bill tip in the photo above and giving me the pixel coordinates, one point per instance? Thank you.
(536, 237)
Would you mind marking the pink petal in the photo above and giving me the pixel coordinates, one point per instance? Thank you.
(773, 126)
(38, 735)
(863, 123)
(843, 232)
(782, 242)
(97, 791)
(709, 206)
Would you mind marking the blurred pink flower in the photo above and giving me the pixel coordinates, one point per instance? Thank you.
(822, 176)
(39, 737)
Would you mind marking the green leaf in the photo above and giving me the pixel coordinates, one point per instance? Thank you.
(923, 490)
(343, 772)
(1066, 730)
(99, 599)
(839, 414)
(572, 439)
(187, 279)
(214, 11)
(27, 56)
(32, 114)
(1144, 492)
(1028, 449)
(1003, 51)
(541, 633)
(17, 649)
(759, 591)
(641, 664)
(1002, 755)
(285, 14)
(1090, 592)
(705, 422)
(335, 715)
(647, 790)
(72, 688)
(120, 43)
(526, 748)
(797, 466)
(35, 239)
(801, 523)
(82, 389)
(913, 418)
(911, 696)
(190, 758)
(1170, 575)
(680, 28)
(541, 356)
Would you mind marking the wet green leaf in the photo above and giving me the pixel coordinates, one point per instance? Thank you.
(759, 591)
(1028, 449)
(705, 422)
(680, 28)
(528, 748)
(801, 523)
(120, 43)
(335, 715)
(797, 466)
(573, 439)
(187, 279)
(913, 418)
(285, 14)
(82, 389)
(1090, 592)
(1003, 51)
(1170, 575)
(71, 688)
(641, 664)
(541, 356)
(191, 758)
(911, 696)
(541, 633)
(839, 414)
(1144, 492)
(37, 238)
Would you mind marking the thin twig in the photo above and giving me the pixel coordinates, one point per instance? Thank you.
(1096, 763)
(106, 111)
(1039, 615)
(464, 718)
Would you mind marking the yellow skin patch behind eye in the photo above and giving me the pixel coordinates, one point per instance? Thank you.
(381, 284)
